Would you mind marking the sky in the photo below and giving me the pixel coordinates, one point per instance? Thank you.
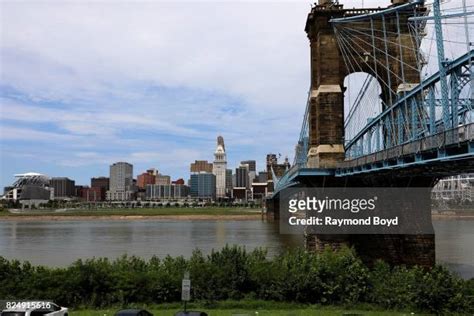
(86, 84)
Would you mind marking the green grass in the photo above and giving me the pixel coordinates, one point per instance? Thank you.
(251, 308)
(221, 312)
(162, 211)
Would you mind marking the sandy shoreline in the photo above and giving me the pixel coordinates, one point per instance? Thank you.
(128, 217)
(452, 216)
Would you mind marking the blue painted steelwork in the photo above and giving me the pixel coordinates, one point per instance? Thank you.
(291, 177)
(441, 64)
(448, 145)
(301, 153)
(303, 142)
(445, 16)
(362, 17)
(415, 95)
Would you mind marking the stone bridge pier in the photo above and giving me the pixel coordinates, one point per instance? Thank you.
(395, 249)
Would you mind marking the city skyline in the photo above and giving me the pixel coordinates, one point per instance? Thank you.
(119, 83)
(136, 172)
(206, 181)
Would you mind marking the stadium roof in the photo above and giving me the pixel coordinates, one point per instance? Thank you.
(29, 174)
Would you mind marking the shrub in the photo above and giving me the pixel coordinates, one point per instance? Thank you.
(235, 274)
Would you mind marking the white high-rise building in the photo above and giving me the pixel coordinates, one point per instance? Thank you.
(219, 168)
(121, 181)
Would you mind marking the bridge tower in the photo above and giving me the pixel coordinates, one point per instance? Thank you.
(389, 53)
(410, 143)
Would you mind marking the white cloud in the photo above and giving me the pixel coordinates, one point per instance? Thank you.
(74, 50)
(179, 72)
(252, 50)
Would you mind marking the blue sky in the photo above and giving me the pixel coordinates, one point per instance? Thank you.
(83, 85)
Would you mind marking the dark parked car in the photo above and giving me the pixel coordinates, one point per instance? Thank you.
(133, 312)
(190, 313)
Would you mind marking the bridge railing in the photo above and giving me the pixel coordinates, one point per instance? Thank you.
(458, 135)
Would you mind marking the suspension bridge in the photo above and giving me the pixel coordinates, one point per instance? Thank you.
(407, 123)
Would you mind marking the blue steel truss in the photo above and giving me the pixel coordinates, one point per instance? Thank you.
(421, 121)
(302, 146)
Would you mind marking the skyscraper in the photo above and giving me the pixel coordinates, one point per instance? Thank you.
(219, 168)
(242, 177)
(228, 181)
(121, 181)
(252, 169)
(252, 165)
(262, 177)
(203, 185)
(63, 187)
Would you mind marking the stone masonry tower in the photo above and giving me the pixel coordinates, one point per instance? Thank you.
(219, 168)
(328, 71)
(380, 44)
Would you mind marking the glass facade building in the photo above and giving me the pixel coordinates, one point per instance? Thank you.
(203, 185)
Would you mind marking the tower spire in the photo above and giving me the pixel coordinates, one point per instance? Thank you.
(219, 167)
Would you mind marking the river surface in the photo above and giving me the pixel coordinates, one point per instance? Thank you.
(59, 243)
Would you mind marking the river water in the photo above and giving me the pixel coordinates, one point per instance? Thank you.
(59, 243)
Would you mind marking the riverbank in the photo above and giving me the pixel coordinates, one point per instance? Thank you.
(168, 213)
(129, 217)
(454, 214)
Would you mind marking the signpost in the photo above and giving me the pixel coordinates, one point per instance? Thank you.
(186, 289)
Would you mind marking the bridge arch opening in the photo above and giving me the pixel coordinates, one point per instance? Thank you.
(362, 102)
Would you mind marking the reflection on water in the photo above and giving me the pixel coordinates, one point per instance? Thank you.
(455, 245)
(60, 243)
